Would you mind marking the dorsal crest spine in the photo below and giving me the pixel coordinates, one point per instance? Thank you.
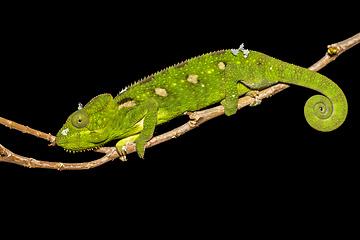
(178, 65)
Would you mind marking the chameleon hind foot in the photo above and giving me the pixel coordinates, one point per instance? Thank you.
(255, 95)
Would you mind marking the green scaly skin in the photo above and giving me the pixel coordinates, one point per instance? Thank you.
(221, 76)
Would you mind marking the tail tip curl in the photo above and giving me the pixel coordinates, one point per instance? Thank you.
(323, 115)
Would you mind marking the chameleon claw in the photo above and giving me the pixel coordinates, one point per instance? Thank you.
(123, 155)
(255, 95)
(122, 152)
(256, 102)
(123, 158)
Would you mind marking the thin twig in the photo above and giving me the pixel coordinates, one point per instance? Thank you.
(196, 118)
(334, 50)
(10, 157)
(26, 129)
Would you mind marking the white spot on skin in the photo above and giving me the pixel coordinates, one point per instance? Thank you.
(270, 68)
(80, 106)
(222, 66)
(65, 132)
(127, 104)
(192, 79)
(203, 85)
(233, 95)
(161, 92)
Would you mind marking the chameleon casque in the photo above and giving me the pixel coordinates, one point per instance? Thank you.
(221, 76)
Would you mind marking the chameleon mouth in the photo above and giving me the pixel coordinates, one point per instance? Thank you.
(74, 143)
(65, 144)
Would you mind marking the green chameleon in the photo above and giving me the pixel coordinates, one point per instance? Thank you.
(196, 83)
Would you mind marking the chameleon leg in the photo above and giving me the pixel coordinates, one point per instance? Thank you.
(242, 89)
(150, 119)
(231, 91)
(143, 120)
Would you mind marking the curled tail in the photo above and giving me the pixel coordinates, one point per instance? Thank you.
(324, 112)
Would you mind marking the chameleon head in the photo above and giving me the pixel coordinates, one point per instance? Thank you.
(87, 128)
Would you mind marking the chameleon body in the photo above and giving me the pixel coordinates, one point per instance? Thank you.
(221, 76)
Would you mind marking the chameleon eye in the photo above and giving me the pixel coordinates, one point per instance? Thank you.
(80, 119)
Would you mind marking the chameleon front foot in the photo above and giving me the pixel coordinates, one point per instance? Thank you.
(121, 146)
(123, 154)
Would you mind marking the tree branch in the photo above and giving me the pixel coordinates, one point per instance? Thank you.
(26, 129)
(334, 50)
(196, 119)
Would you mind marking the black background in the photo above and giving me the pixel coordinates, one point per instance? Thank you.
(261, 163)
